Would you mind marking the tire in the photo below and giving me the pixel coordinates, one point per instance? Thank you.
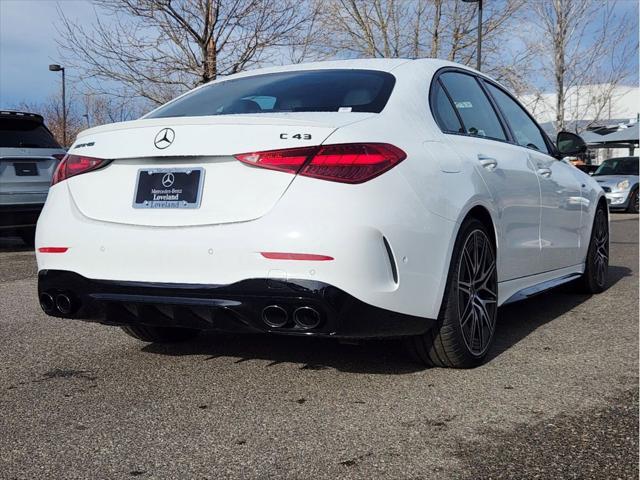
(148, 333)
(633, 202)
(466, 323)
(594, 278)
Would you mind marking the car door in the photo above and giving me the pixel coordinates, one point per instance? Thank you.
(560, 214)
(505, 168)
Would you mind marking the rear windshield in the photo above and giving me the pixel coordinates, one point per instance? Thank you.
(304, 91)
(619, 166)
(25, 133)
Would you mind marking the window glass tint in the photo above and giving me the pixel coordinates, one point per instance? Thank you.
(525, 130)
(477, 114)
(618, 166)
(304, 91)
(25, 134)
(443, 111)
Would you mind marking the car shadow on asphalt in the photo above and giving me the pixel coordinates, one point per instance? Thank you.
(371, 357)
(515, 322)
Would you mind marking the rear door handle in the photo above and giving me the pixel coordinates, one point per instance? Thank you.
(489, 163)
(544, 172)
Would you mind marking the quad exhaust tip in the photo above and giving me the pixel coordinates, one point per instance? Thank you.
(47, 302)
(63, 304)
(307, 317)
(275, 316)
(60, 303)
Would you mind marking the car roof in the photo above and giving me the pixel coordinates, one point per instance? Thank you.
(380, 64)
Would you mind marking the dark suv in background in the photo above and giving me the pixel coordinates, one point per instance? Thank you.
(28, 157)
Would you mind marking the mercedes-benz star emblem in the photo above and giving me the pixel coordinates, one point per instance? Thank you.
(167, 180)
(164, 138)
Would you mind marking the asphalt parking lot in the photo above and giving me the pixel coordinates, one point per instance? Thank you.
(557, 399)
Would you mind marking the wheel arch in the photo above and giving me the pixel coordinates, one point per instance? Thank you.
(588, 225)
(602, 200)
(481, 213)
(485, 214)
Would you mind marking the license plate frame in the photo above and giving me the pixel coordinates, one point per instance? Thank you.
(26, 169)
(157, 177)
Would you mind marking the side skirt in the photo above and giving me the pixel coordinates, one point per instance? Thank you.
(526, 287)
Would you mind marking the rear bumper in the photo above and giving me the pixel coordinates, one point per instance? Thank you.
(16, 217)
(350, 225)
(236, 307)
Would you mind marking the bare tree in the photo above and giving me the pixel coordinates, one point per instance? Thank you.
(155, 49)
(101, 109)
(419, 28)
(583, 43)
(373, 28)
(83, 111)
(434, 31)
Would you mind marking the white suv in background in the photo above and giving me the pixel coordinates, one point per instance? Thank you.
(28, 157)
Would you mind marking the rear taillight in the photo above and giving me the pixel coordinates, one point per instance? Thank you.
(72, 165)
(353, 162)
(346, 163)
(287, 160)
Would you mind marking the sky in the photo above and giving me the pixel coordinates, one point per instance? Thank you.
(28, 45)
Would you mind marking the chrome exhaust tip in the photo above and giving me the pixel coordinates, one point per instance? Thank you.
(275, 316)
(64, 304)
(47, 303)
(307, 317)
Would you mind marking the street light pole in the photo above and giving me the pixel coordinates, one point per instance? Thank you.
(479, 46)
(59, 68)
(478, 60)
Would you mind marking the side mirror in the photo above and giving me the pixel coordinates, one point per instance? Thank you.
(570, 145)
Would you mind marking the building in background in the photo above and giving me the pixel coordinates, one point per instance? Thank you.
(591, 108)
(612, 141)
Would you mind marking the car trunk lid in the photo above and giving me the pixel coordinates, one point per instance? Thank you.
(231, 191)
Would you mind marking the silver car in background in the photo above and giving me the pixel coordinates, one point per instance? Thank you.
(28, 157)
(618, 177)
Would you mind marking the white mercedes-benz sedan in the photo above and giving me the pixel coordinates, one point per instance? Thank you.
(347, 199)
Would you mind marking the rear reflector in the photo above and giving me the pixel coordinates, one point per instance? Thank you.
(72, 165)
(345, 163)
(295, 256)
(53, 249)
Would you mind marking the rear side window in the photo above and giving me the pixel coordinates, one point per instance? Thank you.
(22, 133)
(473, 106)
(304, 91)
(524, 129)
(443, 111)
